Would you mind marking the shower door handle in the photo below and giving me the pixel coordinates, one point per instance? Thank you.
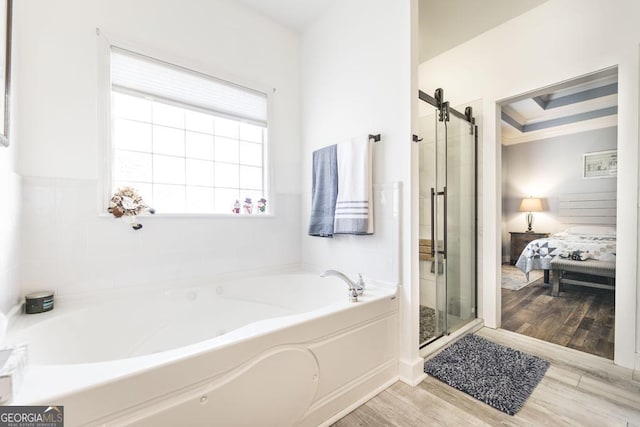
(442, 193)
(433, 222)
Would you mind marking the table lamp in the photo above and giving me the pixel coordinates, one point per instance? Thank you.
(530, 205)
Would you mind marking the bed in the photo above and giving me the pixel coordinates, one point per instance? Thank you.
(598, 242)
(590, 233)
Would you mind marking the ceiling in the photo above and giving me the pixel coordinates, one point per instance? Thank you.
(295, 14)
(579, 105)
(586, 103)
(444, 24)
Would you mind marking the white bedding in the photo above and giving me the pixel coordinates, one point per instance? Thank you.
(538, 254)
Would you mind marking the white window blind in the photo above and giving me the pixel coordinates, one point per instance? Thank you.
(164, 81)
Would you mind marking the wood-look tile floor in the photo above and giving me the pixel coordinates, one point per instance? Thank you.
(581, 318)
(579, 389)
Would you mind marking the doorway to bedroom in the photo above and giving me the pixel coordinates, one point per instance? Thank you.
(559, 182)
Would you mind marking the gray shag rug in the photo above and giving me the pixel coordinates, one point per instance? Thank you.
(494, 374)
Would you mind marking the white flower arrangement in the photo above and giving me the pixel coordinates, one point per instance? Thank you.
(126, 203)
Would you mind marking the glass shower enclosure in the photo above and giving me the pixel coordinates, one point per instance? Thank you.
(448, 217)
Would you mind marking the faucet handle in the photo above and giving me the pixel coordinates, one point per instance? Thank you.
(360, 285)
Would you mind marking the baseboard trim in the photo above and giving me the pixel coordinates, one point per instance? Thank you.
(411, 372)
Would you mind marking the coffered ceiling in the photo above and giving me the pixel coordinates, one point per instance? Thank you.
(586, 103)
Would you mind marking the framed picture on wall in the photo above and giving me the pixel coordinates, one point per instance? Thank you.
(600, 164)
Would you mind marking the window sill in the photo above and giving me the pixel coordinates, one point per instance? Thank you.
(194, 216)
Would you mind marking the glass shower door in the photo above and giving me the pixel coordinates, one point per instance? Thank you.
(431, 267)
(439, 202)
(459, 222)
(447, 171)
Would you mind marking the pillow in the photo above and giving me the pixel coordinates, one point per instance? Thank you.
(580, 256)
(575, 255)
(597, 230)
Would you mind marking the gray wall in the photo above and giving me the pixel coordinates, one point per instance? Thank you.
(546, 169)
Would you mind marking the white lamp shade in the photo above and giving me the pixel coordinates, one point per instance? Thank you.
(531, 205)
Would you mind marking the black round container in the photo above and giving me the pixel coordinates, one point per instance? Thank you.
(38, 302)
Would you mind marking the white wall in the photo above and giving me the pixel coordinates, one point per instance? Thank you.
(10, 213)
(66, 245)
(356, 66)
(554, 42)
(547, 169)
(10, 188)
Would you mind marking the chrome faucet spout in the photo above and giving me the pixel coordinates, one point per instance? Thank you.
(355, 288)
(336, 273)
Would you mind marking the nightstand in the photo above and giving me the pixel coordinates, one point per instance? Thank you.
(520, 240)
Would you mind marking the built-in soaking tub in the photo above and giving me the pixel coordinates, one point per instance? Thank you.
(286, 349)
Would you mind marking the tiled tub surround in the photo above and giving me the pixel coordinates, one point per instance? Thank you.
(376, 255)
(69, 248)
(275, 349)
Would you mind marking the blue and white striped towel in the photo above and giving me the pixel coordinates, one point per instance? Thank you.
(354, 206)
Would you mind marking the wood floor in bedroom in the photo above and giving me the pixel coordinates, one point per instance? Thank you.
(581, 318)
(579, 389)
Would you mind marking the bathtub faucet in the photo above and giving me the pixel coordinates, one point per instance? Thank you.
(356, 289)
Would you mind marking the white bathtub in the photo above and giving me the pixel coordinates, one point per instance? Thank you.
(286, 349)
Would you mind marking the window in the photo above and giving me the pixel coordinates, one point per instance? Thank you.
(188, 142)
